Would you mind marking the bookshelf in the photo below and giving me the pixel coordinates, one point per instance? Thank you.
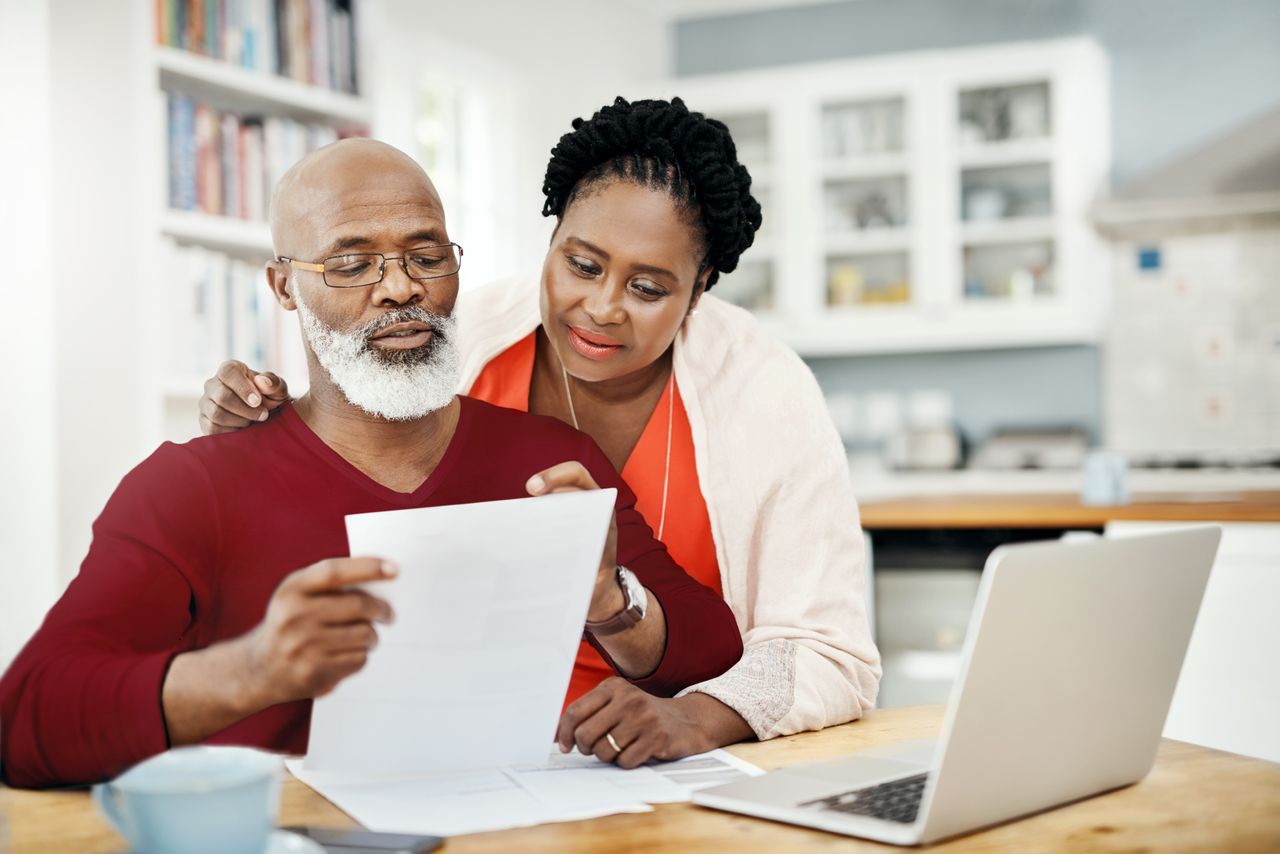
(223, 233)
(235, 92)
(255, 90)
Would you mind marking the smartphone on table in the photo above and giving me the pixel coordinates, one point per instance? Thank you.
(354, 841)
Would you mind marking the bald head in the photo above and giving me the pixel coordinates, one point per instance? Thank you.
(350, 190)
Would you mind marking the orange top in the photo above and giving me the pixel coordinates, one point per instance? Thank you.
(686, 532)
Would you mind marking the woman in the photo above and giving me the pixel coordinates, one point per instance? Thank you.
(721, 432)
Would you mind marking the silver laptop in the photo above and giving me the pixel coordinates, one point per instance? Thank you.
(1068, 670)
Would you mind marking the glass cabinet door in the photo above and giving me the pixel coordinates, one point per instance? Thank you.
(998, 114)
(1019, 271)
(881, 278)
(1006, 205)
(752, 284)
(1018, 191)
(751, 136)
(866, 202)
(858, 129)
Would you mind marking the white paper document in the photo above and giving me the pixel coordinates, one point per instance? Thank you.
(564, 787)
(489, 601)
(655, 783)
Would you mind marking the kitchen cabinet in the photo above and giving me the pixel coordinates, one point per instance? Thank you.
(925, 201)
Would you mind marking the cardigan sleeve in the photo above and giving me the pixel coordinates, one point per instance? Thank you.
(790, 542)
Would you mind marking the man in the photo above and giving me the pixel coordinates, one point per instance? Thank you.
(216, 598)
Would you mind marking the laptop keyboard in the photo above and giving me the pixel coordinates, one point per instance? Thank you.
(897, 800)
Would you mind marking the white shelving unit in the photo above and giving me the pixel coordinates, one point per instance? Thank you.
(1010, 153)
(870, 241)
(233, 236)
(1008, 231)
(255, 91)
(867, 166)
(925, 201)
(227, 87)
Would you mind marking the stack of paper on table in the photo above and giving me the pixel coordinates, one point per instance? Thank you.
(445, 730)
(564, 788)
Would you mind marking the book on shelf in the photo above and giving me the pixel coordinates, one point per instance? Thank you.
(225, 163)
(182, 153)
(311, 41)
(224, 310)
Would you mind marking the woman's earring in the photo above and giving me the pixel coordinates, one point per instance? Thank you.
(692, 312)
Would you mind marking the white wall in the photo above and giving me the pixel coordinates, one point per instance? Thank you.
(73, 414)
(28, 438)
(535, 67)
(94, 189)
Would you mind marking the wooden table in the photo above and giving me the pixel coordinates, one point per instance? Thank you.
(1060, 510)
(1195, 799)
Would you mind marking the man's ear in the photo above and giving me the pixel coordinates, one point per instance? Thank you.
(278, 281)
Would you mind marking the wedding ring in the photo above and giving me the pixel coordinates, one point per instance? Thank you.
(608, 736)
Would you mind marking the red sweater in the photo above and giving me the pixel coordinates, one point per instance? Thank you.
(194, 541)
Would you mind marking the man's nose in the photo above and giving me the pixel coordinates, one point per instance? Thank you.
(604, 305)
(396, 287)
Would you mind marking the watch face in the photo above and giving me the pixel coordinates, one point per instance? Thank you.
(635, 601)
(637, 597)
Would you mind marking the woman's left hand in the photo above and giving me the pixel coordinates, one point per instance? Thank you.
(643, 726)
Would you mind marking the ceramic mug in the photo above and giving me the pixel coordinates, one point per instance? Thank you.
(1105, 479)
(195, 800)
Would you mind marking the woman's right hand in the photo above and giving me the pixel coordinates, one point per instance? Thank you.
(238, 396)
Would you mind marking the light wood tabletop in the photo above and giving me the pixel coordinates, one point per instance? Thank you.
(1195, 799)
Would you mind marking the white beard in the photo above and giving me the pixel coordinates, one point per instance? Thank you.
(396, 389)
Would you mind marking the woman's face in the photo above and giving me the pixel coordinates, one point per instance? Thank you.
(619, 278)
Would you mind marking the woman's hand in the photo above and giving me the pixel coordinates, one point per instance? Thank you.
(643, 726)
(238, 396)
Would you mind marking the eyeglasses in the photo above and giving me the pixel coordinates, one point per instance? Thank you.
(361, 269)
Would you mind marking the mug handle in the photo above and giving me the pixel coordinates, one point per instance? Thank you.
(104, 797)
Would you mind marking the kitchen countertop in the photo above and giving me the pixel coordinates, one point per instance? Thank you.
(1051, 499)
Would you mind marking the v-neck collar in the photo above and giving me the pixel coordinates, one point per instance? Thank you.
(656, 428)
(308, 438)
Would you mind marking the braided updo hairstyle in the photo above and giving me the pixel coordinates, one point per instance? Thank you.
(663, 146)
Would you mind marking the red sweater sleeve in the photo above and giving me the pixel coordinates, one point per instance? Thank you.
(703, 640)
(81, 702)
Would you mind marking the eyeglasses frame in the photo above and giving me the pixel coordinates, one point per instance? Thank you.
(319, 266)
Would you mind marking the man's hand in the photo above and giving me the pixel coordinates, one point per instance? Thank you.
(238, 396)
(607, 598)
(317, 631)
(643, 726)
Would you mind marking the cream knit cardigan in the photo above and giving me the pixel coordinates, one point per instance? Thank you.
(776, 483)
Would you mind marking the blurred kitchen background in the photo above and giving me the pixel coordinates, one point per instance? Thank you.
(1030, 248)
